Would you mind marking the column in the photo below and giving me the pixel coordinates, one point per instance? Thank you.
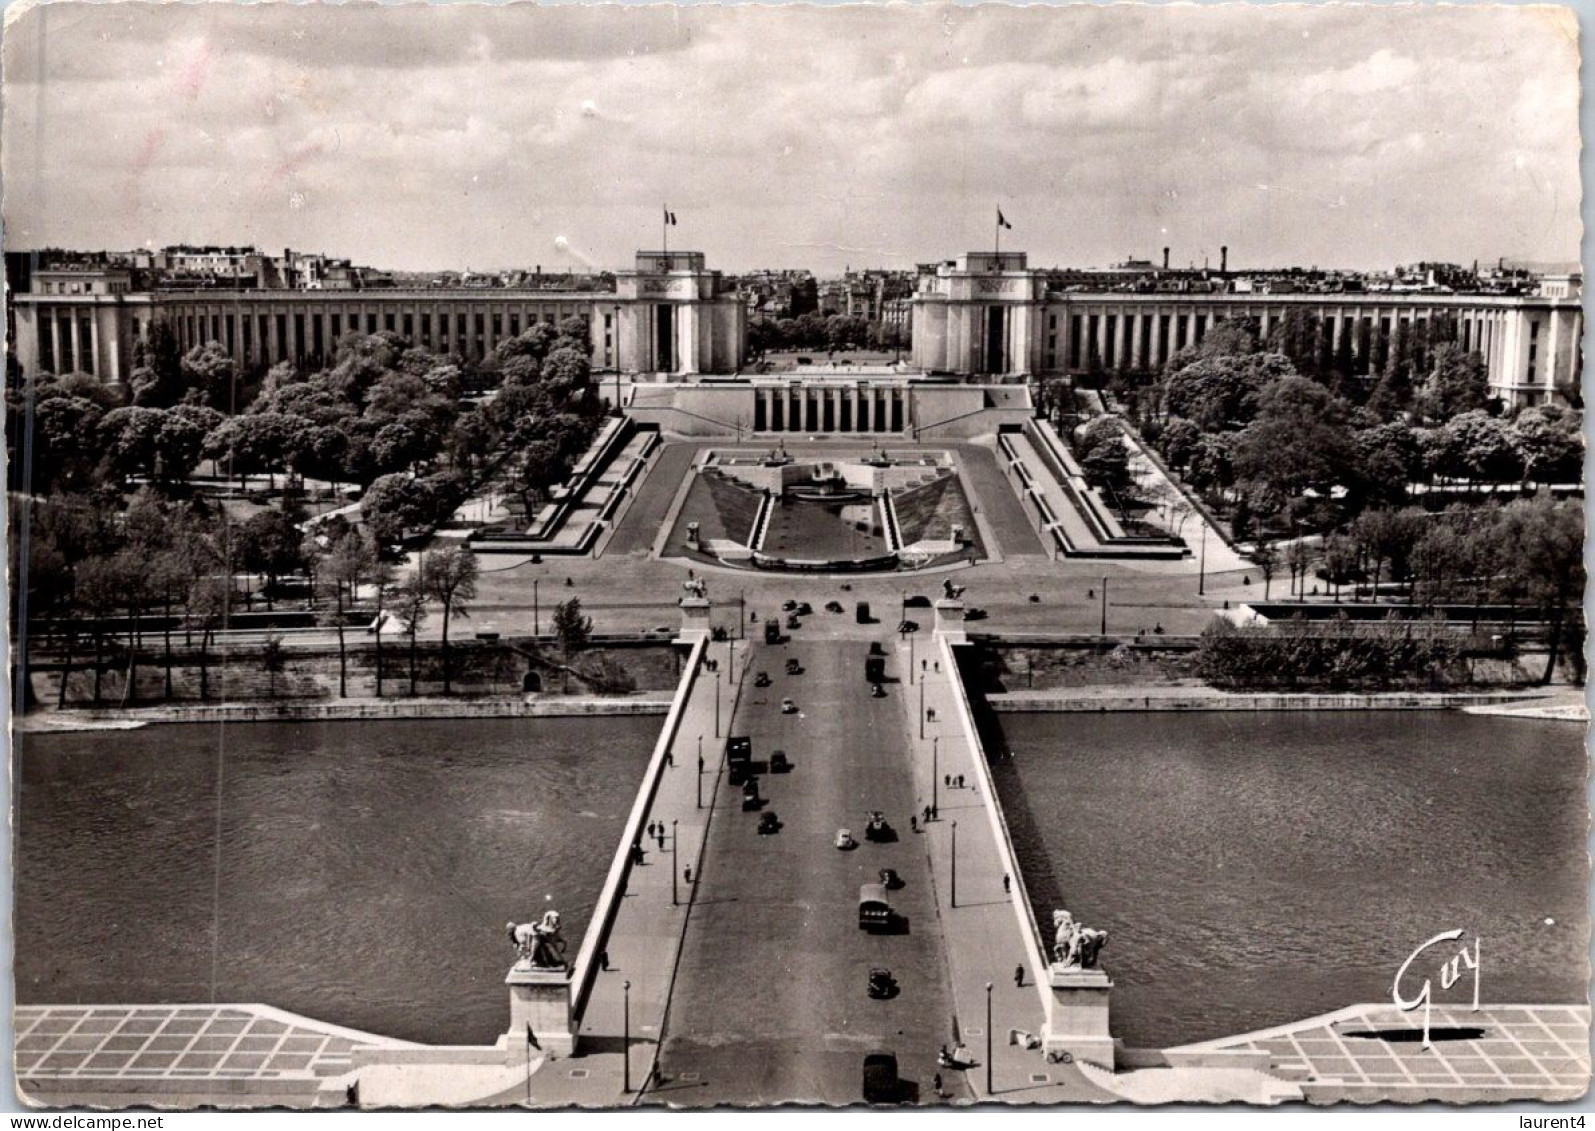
(1553, 349)
(1122, 341)
(56, 361)
(94, 344)
(77, 341)
(1137, 343)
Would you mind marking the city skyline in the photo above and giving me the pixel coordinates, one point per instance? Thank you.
(893, 147)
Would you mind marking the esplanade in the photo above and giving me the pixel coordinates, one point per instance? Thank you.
(986, 316)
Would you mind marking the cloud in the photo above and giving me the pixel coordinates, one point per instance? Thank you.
(439, 136)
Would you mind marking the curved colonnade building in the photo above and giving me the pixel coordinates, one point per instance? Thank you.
(985, 317)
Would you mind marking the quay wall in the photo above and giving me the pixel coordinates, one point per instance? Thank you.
(1064, 702)
(320, 711)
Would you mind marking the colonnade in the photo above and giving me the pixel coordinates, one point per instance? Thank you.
(831, 408)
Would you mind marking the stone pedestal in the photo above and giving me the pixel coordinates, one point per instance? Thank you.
(1077, 1015)
(950, 619)
(541, 999)
(694, 618)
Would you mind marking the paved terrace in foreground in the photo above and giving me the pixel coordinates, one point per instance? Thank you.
(182, 1054)
(1374, 1052)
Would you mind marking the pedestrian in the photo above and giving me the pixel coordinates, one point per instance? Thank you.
(927, 814)
(1019, 975)
(913, 823)
(947, 780)
(1007, 885)
(941, 1095)
(687, 873)
(670, 758)
(937, 667)
(661, 837)
(603, 960)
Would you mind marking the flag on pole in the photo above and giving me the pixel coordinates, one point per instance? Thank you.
(531, 1037)
(670, 217)
(1002, 222)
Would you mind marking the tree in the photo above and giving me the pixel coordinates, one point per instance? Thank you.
(1547, 538)
(1474, 446)
(273, 659)
(1458, 383)
(410, 607)
(1221, 392)
(346, 564)
(571, 628)
(212, 376)
(1266, 555)
(449, 577)
(258, 442)
(1548, 446)
(270, 543)
(1300, 440)
(101, 585)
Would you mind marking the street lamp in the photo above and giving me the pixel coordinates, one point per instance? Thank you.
(717, 704)
(1201, 569)
(674, 898)
(935, 774)
(989, 1088)
(922, 708)
(1104, 631)
(731, 663)
(536, 629)
(910, 636)
(955, 864)
(625, 1037)
(700, 771)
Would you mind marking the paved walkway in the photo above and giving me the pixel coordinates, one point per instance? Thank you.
(1375, 1052)
(985, 941)
(645, 937)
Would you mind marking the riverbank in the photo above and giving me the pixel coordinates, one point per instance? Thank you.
(1538, 703)
(518, 707)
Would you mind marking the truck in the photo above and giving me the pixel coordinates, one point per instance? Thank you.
(772, 631)
(739, 757)
(875, 669)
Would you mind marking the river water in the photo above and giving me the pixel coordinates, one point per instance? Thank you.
(366, 869)
(1255, 869)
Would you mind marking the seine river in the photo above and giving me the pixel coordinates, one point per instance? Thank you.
(366, 870)
(1254, 869)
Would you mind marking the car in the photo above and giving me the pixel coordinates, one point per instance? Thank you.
(792, 621)
(881, 1082)
(908, 626)
(1035, 598)
(762, 680)
(917, 601)
(804, 609)
(876, 691)
(793, 667)
(833, 606)
(881, 984)
(974, 613)
(780, 763)
(788, 707)
(890, 880)
(788, 605)
(844, 839)
(878, 829)
(769, 823)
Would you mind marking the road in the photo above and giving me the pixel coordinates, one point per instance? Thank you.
(769, 1002)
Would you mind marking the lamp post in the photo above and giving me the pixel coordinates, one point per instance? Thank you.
(955, 864)
(935, 774)
(674, 898)
(989, 1089)
(700, 771)
(625, 1037)
(922, 708)
(1104, 630)
(731, 662)
(910, 636)
(536, 627)
(1201, 569)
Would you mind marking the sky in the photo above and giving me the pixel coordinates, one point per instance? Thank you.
(432, 137)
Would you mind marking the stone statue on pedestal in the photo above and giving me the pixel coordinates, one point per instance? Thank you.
(950, 591)
(697, 587)
(538, 945)
(1074, 945)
